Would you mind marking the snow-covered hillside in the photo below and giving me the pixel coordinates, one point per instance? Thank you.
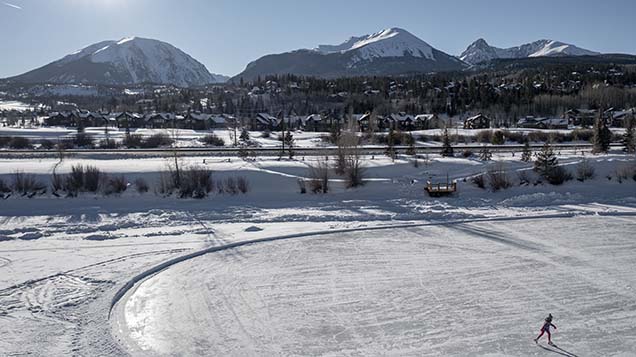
(480, 51)
(393, 42)
(131, 60)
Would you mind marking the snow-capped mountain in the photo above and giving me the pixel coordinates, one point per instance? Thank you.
(480, 51)
(394, 42)
(128, 61)
(392, 51)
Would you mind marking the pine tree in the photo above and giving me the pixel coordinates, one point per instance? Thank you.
(602, 136)
(289, 141)
(526, 155)
(546, 161)
(245, 136)
(411, 142)
(485, 154)
(628, 138)
(390, 145)
(447, 148)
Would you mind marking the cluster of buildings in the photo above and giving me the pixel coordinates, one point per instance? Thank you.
(321, 122)
(257, 122)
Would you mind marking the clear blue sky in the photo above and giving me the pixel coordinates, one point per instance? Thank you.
(225, 35)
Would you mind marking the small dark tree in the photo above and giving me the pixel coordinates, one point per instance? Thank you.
(411, 145)
(628, 138)
(390, 145)
(546, 161)
(447, 147)
(289, 141)
(245, 136)
(485, 154)
(602, 137)
(526, 155)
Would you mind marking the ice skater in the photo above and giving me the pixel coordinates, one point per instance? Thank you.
(546, 330)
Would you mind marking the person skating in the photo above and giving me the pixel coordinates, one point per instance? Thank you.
(546, 330)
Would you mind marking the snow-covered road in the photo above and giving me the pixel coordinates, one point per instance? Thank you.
(475, 288)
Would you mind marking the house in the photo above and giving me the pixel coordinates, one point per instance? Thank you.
(315, 122)
(161, 120)
(618, 119)
(478, 121)
(129, 120)
(67, 119)
(262, 122)
(400, 121)
(531, 122)
(221, 121)
(428, 121)
(581, 117)
(195, 121)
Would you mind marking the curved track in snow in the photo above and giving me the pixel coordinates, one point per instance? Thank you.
(128, 289)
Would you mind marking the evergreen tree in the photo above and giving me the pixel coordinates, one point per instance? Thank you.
(526, 155)
(602, 136)
(485, 154)
(390, 145)
(245, 136)
(411, 143)
(447, 148)
(628, 138)
(289, 141)
(546, 161)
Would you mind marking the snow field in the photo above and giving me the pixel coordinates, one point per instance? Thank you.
(476, 288)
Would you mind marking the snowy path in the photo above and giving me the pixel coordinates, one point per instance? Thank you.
(474, 288)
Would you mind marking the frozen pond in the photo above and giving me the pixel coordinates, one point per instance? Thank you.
(469, 289)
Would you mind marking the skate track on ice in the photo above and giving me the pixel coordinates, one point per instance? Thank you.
(119, 300)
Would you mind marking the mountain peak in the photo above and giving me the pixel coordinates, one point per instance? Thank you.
(390, 42)
(130, 60)
(479, 51)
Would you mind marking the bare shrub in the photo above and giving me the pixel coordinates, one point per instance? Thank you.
(302, 186)
(4, 188)
(26, 183)
(141, 186)
(585, 171)
(47, 144)
(196, 182)
(354, 173)
(92, 179)
(319, 178)
(156, 141)
(213, 140)
(58, 182)
(75, 180)
(479, 181)
(83, 140)
(498, 179)
(242, 184)
(231, 186)
(625, 172)
(116, 185)
(167, 183)
(20, 143)
(467, 153)
(108, 144)
(133, 141)
(558, 176)
(4, 141)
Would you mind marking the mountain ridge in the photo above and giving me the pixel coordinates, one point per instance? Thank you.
(480, 51)
(131, 60)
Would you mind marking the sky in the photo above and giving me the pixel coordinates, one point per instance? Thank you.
(225, 35)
